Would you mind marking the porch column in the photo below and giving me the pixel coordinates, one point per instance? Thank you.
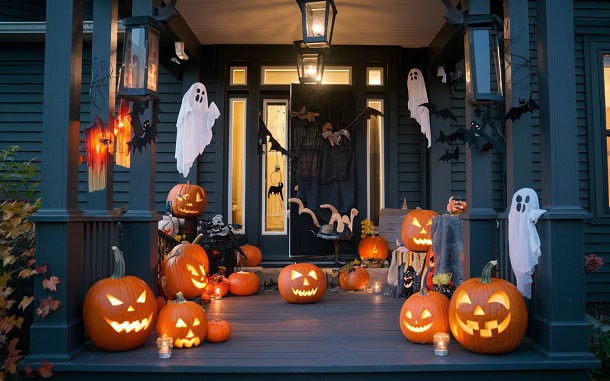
(141, 218)
(59, 229)
(559, 306)
(480, 221)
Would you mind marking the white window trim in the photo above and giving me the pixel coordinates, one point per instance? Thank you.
(230, 164)
(381, 159)
(231, 69)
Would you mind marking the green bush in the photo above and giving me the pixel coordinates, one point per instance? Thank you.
(18, 180)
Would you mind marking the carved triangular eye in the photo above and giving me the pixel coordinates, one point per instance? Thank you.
(295, 274)
(429, 222)
(142, 297)
(463, 298)
(196, 322)
(202, 269)
(180, 323)
(499, 297)
(426, 314)
(192, 269)
(313, 274)
(114, 301)
(416, 222)
(199, 198)
(409, 315)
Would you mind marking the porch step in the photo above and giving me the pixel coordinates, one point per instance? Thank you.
(266, 274)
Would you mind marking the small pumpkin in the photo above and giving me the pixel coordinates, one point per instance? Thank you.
(373, 251)
(253, 256)
(354, 278)
(488, 315)
(185, 269)
(219, 331)
(415, 230)
(456, 205)
(187, 200)
(302, 283)
(119, 312)
(185, 322)
(223, 287)
(243, 283)
(422, 315)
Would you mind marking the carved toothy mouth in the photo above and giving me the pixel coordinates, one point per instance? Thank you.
(126, 326)
(305, 292)
(184, 210)
(422, 241)
(187, 343)
(199, 285)
(470, 326)
(421, 329)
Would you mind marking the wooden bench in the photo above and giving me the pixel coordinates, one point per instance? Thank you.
(390, 225)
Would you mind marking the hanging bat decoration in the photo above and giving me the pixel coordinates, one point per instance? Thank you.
(447, 156)
(365, 114)
(444, 113)
(516, 112)
(144, 133)
(334, 138)
(303, 114)
(452, 137)
(263, 134)
(277, 190)
(476, 137)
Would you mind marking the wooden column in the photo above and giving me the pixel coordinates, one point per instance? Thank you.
(59, 229)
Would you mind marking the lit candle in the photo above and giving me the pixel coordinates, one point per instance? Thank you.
(317, 29)
(377, 287)
(441, 341)
(217, 293)
(165, 345)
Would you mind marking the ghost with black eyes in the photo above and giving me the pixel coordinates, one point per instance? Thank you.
(523, 239)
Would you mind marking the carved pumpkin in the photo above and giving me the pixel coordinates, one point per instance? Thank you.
(243, 283)
(373, 251)
(488, 315)
(355, 278)
(219, 331)
(302, 283)
(185, 269)
(119, 312)
(253, 256)
(416, 230)
(222, 286)
(187, 200)
(429, 263)
(424, 314)
(185, 322)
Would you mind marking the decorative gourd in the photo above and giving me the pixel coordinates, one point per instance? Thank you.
(354, 278)
(488, 315)
(119, 312)
(243, 283)
(219, 331)
(416, 230)
(185, 322)
(187, 200)
(253, 256)
(185, 269)
(373, 251)
(302, 283)
(424, 314)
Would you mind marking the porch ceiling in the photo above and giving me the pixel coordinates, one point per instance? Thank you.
(408, 23)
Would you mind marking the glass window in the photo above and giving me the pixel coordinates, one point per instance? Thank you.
(239, 75)
(237, 162)
(374, 165)
(607, 124)
(374, 76)
(285, 75)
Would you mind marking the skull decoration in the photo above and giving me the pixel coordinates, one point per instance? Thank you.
(423, 315)
(187, 200)
(416, 230)
(302, 283)
(185, 322)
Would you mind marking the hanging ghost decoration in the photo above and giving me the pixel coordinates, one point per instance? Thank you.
(523, 239)
(194, 126)
(418, 96)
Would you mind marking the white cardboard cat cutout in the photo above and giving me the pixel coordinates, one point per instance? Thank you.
(418, 95)
(523, 239)
(194, 126)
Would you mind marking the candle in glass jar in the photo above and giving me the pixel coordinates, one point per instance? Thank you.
(165, 345)
(441, 342)
(377, 287)
(217, 293)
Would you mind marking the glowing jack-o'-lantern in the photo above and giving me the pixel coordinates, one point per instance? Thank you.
(488, 315)
(302, 283)
(373, 251)
(416, 230)
(119, 312)
(187, 200)
(185, 322)
(424, 314)
(185, 269)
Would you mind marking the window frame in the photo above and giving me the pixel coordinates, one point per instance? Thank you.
(230, 162)
(382, 163)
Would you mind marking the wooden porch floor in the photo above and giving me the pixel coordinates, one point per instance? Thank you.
(344, 336)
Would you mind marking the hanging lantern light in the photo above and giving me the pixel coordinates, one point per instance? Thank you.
(310, 63)
(122, 133)
(140, 59)
(483, 59)
(318, 20)
(99, 143)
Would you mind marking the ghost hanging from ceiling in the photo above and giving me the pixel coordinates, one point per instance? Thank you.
(523, 239)
(417, 96)
(194, 126)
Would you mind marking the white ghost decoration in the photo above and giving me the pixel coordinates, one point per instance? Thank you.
(194, 126)
(523, 239)
(418, 95)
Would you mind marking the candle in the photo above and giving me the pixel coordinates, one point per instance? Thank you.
(165, 345)
(441, 341)
(377, 287)
(217, 293)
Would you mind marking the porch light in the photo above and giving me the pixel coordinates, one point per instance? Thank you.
(310, 63)
(140, 59)
(318, 20)
(483, 59)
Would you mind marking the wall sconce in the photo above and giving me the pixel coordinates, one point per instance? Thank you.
(122, 133)
(318, 20)
(180, 53)
(99, 142)
(483, 59)
(310, 63)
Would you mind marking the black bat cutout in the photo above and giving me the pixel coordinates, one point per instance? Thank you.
(444, 113)
(263, 134)
(453, 137)
(146, 133)
(276, 189)
(516, 112)
(476, 137)
(447, 156)
(365, 114)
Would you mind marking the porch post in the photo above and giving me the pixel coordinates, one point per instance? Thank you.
(559, 306)
(59, 229)
(480, 221)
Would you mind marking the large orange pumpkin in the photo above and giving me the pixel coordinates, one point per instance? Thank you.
(185, 322)
(119, 312)
(185, 269)
(355, 278)
(302, 283)
(424, 314)
(416, 230)
(253, 254)
(373, 251)
(187, 200)
(488, 315)
(219, 331)
(243, 283)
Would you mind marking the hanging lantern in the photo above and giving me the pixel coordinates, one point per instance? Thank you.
(318, 20)
(483, 59)
(122, 133)
(310, 63)
(98, 143)
(140, 59)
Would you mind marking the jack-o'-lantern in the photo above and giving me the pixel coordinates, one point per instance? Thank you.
(185, 322)
(302, 283)
(429, 264)
(253, 256)
(185, 269)
(119, 312)
(488, 315)
(187, 200)
(416, 230)
(243, 283)
(373, 251)
(219, 331)
(424, 314)
(354, 278)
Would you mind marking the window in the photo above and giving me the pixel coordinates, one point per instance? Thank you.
(606, 126)
(375, 164)
(285, 75)
(237, 162)
(239, 75)
(374, 76)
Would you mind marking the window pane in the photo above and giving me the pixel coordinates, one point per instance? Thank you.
(239, 75)
(237, 131)
(374, 76)
(285, 75)
(337, 76)
(375, 162)
(607, 88)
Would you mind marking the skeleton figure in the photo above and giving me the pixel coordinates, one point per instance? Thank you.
(418, 96)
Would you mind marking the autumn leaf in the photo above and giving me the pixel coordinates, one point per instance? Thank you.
(7, 291)
(42, 269)
(4, 278)
(2, 340)
(8, 260)
(25, 302)
(9, 322)
(51, 283)
(27, 273)
(30, 263)
(28, 371)
(12, 357)
(29, 253)
(46, 306)
(46, 369)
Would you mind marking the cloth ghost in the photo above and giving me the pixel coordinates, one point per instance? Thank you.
(417, 96)
(523, 239)
(194, 126)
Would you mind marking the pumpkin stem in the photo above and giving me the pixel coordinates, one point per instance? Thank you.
(198, 238)
(180, 297)
(486, 273)
(119, 264)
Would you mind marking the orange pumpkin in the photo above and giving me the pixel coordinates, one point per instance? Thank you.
(423, 315)
(185, 269)
(119, 312)
(429, 264)
(416, 230)
(187, 200)
(223, 287)
(456, 206)
(218, 331)
(354, 279)
(243, 283)
(253, 256)
(488, 315)
(302, 283)
(373, 251)
(185, 322)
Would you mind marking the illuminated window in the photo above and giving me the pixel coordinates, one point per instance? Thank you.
(237, 162)
(239, 75)
(374, 163)
(285, 75)
(374, 76)
(607, 124)
(274, 164)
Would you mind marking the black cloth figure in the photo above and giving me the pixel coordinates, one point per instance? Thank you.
(448, 244)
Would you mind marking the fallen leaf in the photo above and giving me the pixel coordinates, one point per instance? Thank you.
(51, 283)
(8, 260)
(46, 369)
(42, 269)
(46, 306)
(9, 322)
(27, 273)
(7, 291)
(25, 302)
(30, 263)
